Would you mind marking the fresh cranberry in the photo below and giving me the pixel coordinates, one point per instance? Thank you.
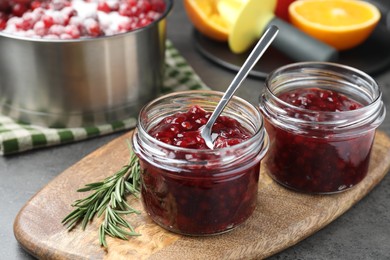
(35, 4)
(57, 29)
(126, 25)
(104, 7)
(92, 27)
(3, 20)
(68, 12)
(23, 2)
(64, 12)
(144, 6)
(4, 6)
(60, 18)
(131, 2)
(158, 5)
(73, 31)
(59, 4)
(125, 9)
(65, 36)
(144, 22)
(19, 9)
(40, 29)
(47, 20)
(309, 162)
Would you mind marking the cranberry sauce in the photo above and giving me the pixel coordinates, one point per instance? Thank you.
(199, 205)
(319, 100)
(207, 191)
(313, 163)
(182, 130)
(73, 19)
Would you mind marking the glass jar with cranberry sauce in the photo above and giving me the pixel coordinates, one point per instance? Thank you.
(321, 120)
(186, 187)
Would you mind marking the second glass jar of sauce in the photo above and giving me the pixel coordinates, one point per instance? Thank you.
(321, 120)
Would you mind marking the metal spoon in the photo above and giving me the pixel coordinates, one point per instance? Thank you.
(254, 56)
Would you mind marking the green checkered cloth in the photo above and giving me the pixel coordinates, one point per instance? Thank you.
(17, 137)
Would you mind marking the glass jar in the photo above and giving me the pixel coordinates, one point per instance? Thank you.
(199, 191)
(318, 151)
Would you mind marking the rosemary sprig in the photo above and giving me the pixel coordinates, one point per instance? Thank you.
(109, 198)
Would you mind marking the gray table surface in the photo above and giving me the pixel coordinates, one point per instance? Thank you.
(363, 232)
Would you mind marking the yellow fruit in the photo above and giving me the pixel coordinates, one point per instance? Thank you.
(250, 23)
(342, 24)
(229, 9)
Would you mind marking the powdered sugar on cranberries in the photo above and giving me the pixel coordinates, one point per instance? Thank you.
(64, 19)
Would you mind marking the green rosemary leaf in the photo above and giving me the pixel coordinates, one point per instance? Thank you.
(71, 223)
(108, 232)
(113, 200)
(116, 231)
(92, 214)
(108, 196)
(120, 221)
(130, 187)
(127, 233)
(131, 208)
(74, 214)
(119, 190)
(86, 218)
(102, 205)
(100, 211)
(102, 236)
(86, 200)
(96, 205)
(93, 185)
(112, 215)
(106, 219)
(124, 212)
(127, 225)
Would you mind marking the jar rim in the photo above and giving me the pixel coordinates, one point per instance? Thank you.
(323, 65)
(357, 84)
(259, 133)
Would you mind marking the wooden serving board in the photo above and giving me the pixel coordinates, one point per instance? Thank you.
(282, 217)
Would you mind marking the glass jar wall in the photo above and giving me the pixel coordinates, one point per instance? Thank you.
(321, 119)
(199, 191)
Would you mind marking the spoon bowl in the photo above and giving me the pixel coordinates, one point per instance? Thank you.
(254, 56)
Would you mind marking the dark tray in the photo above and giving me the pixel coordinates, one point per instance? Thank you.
(372, 56)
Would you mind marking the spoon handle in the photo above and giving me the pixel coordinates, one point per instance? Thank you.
(252, 59)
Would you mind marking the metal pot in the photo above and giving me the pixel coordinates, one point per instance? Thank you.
(71, 83)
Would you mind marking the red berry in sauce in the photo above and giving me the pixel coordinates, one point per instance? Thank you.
(182, 129)
(309, 162)
(319, 100)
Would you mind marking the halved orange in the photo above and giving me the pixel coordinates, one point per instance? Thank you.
(342, 24)
(206, 18)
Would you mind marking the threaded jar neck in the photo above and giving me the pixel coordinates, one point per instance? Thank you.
(221, 160)
(352, 83)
